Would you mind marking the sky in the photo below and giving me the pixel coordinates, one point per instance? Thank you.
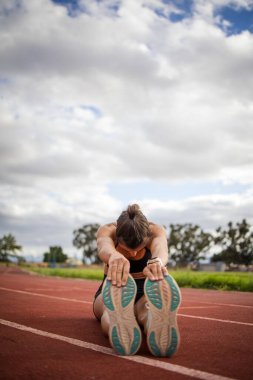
(104, 103)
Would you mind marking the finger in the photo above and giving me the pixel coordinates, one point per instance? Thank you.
(149, 274)
(114, 274)
(165, 271)
(153, 268)
(126, 268)
(159, 272)
(119, 274)
(109, 274)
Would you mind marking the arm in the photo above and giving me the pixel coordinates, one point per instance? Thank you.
(105, 242)
(159, 249)
(118, 265)
(159, 244)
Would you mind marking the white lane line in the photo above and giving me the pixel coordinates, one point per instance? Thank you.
(108, 351)
(220, 304)
(45, 295)
(198, 307)
(55, 289)
(89, 302)
(216, 319)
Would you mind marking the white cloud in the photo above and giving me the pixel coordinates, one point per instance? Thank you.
(119, 95)
(209, 211)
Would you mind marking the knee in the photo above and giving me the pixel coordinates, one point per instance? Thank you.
(141, 311)
(105, 323)
(98, 307)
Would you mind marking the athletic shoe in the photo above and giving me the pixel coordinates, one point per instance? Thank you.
(124, 332)
(163, 299)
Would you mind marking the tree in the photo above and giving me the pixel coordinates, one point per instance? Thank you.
(8, 248)
(85, 239)
(236, 244)
(188, 243)
(55, 255)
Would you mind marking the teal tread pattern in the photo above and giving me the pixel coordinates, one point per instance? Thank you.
(175, 294)
(128, 292)
(174, 343)
(136, 341)
(125, 337)
(107, 296)
(153, 293)
(116, 342)
(164, 345)
(172, 347)
(153, 345)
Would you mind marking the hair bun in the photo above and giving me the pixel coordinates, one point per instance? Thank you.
(132, 210)
(132, 226)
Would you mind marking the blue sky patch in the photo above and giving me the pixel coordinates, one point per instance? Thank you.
(177, 17)
(95, 110)
(184, 8)
(183, 5)
(240, 19)
(128, 192)
(73, 7)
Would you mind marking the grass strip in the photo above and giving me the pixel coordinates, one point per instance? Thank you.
(83, 273)
(215, 280)
(187, 279)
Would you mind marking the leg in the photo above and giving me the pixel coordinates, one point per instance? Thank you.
(141, 311)
(101, 314)
(98, 307)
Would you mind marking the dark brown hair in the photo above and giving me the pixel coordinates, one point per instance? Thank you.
(132, 226)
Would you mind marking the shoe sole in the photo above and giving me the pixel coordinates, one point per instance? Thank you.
(124, 332)
(163, 299)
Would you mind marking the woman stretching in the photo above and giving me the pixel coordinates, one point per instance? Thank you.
(137, 292)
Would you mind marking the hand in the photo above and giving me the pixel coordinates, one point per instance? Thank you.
(155, 271)
(118, 270)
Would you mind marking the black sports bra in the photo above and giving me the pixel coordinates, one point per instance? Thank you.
(137, 265)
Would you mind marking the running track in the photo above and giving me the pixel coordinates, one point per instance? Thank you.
(48, 331)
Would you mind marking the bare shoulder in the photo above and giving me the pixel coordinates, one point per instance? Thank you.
(108, 230)
(156, 230)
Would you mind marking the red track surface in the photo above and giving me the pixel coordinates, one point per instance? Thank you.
(216, 334)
